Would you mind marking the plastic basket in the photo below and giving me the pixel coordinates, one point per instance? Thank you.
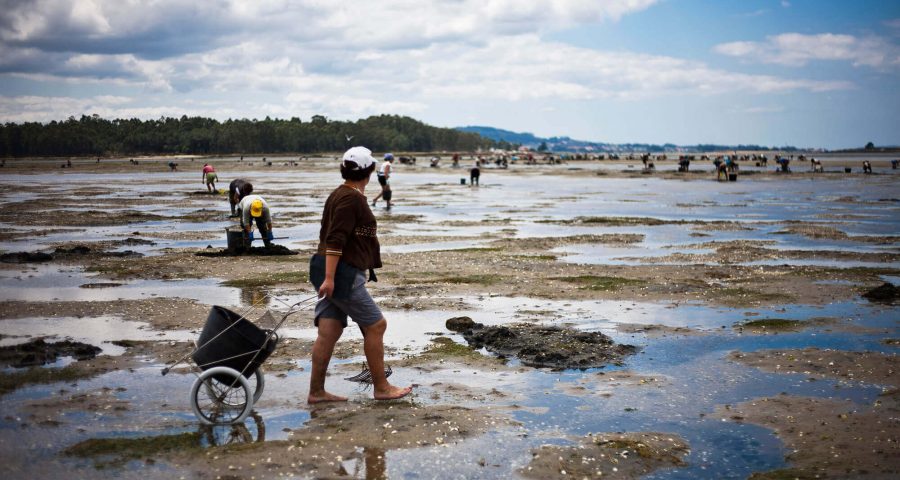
(230, 340)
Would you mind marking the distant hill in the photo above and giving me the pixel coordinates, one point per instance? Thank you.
(529, 140)
(499, 135)
(566, 144)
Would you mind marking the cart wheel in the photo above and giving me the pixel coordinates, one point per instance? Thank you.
(221, 402)
(260, 385)
(214, 387)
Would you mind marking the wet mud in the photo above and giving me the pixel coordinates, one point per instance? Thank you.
(335, 440)
(831, 233)
(658, 331)
(608, 384)
(828, 438)
(608, 455)
(274, 250)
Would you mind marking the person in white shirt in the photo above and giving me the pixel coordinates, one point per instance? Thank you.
(384, 179)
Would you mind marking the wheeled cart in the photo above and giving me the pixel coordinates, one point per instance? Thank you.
(229, 355)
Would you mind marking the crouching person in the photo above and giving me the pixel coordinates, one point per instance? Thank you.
(255, 209)
(237, 190)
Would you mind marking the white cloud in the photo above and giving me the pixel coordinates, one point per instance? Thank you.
(35, 108)
(527, 68)
(94, 26)
(796, 49)
(255, 80)
(343, 59)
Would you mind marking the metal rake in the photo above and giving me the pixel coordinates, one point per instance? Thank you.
(365, 376)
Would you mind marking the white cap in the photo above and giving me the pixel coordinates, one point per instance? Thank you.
(361, 156)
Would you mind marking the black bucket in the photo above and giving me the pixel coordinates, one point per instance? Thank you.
(732, 177)
(243, 346)
(847, 169)
(236, 242)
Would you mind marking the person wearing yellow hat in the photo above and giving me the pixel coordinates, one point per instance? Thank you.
(254, 208)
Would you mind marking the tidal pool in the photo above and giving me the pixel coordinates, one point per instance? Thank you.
(46, 283)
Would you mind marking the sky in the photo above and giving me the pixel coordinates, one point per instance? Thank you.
(808, 73)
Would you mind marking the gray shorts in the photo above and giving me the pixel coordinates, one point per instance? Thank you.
(359, 306)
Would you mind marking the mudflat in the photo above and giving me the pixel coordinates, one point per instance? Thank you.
(746, 346)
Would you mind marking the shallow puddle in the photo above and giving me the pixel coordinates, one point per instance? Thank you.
(44, 283)
(97, 331)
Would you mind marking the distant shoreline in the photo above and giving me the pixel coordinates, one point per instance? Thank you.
(285, 156)
(863, 150)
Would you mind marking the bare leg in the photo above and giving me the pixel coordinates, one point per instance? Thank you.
(373, 345)
(330, 331)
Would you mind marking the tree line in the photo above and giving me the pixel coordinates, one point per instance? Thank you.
(96, 136)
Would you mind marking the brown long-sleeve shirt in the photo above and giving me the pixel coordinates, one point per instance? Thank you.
(349, 229)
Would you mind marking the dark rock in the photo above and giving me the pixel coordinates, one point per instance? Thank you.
(85, 250)
(885, 293)
(101, 285)
(76, 250)
(544, 346)
(136, 241)
(38, 352)
(126, 253)
(25, 257)
(459, 324)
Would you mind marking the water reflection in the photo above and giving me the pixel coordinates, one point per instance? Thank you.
(237, 434)
(369, 463)
(256, 296)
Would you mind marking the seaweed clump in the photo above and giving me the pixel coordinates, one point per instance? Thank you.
(38, 352)
(887, 292)
(543, 346)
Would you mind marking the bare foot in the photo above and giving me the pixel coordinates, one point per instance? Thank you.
(393, 393)
(324, 397)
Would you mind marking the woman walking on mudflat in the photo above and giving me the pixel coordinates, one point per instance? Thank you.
(348, 248)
